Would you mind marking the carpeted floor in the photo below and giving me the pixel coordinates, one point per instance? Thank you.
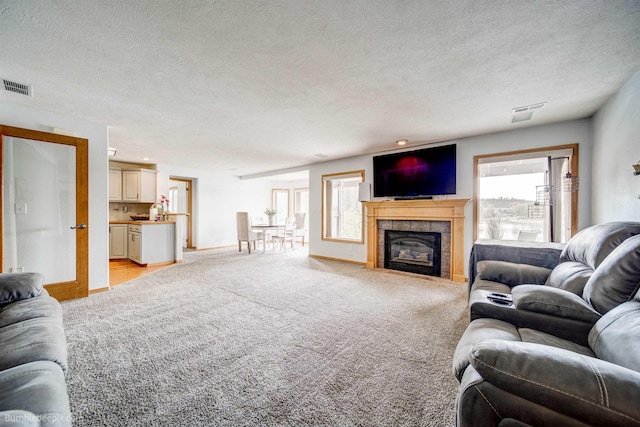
(266, 339)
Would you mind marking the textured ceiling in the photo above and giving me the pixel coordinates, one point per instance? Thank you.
(245, 87)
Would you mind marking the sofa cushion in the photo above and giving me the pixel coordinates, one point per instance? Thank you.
(40, 306)
(553, 301)
(593, 244)
(39, 388)
(40, 338)
(615, 337)
(512, 274)
(571, 276)
(18, 286)
(617, 279)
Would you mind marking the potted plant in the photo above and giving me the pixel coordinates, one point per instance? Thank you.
(271, 213)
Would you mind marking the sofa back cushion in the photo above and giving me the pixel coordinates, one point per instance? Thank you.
(614, 337)
(617, 279)
(570, 276)
(593, 244)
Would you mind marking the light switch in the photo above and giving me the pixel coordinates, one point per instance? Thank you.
(21, 208)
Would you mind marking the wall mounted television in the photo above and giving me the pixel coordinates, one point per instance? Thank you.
(416, 174)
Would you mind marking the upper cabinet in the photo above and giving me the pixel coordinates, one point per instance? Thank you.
(115, 185)
(132, 185)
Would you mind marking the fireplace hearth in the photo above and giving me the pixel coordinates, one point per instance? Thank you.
(413, 251)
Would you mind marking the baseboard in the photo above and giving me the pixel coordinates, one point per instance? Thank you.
(216, 247)
(95, 291)
(338, 259)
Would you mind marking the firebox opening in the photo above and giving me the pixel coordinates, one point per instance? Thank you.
(413, 251)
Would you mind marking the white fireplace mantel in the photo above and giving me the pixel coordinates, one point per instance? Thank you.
(419, 210)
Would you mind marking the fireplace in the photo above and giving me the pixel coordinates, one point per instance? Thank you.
(413, 251)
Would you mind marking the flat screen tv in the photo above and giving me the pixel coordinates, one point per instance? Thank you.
(419, 173)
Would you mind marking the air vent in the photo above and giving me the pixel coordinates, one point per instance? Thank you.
(20, 88)
(522, 114)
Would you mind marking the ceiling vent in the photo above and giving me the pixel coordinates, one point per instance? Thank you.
(522, 114)
(20, 88)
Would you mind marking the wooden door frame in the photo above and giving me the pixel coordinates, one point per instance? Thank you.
(189, 208)
(80, 287)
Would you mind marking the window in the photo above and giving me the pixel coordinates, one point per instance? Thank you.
(280, 202)
(342, 213)
(527, 195)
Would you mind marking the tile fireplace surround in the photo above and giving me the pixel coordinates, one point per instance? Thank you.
(450, 210)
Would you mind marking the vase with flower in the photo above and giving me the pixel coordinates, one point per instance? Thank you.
(271, 213)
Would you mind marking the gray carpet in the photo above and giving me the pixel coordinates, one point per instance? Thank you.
(266, 339)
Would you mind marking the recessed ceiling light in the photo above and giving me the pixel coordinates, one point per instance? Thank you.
(402, 141)
(321, 155)
(146, 159)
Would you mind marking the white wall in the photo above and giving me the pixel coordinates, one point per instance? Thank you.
(576, 131)
(217, 199)
(29, 118)
(616, 146)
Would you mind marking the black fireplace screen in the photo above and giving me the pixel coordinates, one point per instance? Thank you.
(413, 251)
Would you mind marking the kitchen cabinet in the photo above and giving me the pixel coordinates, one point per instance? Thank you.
(135, 243)
(152, 242)
(118, 248)
(115, 185)
(132, 185)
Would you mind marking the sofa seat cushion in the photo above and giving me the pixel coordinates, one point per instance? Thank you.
(38, 388)
(490, 286)
(41, 306)
(570, 276)
(553, 301)
(18, 286)
(617, 279)
(537, 337)
(36, 339)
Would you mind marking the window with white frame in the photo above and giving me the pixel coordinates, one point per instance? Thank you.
(342, 213)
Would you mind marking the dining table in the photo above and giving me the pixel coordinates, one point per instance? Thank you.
(263, 228)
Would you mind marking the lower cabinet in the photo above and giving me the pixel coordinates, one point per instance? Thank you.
(118, 247)
(152, 243)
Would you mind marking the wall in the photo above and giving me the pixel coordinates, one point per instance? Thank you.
(217, 198)
(97, 134)
(576, 131)
(616, 146)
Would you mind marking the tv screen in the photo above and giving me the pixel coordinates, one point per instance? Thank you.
(425, 172)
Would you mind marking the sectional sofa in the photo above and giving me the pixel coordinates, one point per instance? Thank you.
(557, 346)
(33, 354)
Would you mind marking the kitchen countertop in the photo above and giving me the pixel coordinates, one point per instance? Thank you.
(145, 222)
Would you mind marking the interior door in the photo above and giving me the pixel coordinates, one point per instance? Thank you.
(44, 209)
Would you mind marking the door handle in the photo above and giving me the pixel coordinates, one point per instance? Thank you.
(79, 227)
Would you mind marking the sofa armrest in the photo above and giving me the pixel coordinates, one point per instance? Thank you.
(512, 274)
(585, 388)
(553, 301)
(18, 286)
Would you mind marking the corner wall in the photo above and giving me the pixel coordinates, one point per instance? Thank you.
(30, 118)
(616, 146)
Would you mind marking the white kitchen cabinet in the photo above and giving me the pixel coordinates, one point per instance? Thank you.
(152, 243)
(115, 185)
(139, 185)
(118, 248)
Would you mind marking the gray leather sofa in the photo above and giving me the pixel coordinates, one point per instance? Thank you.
(571, 301)
(33, 354)
(515, 374)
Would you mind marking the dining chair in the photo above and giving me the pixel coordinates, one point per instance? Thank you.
(300, 230)
(286, 234)
(245, 233)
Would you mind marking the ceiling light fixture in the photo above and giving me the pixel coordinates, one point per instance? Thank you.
(402, 142)
(111, 151)
(146, 159)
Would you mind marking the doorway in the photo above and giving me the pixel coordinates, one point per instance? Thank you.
(45, 209)
(181, 196)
